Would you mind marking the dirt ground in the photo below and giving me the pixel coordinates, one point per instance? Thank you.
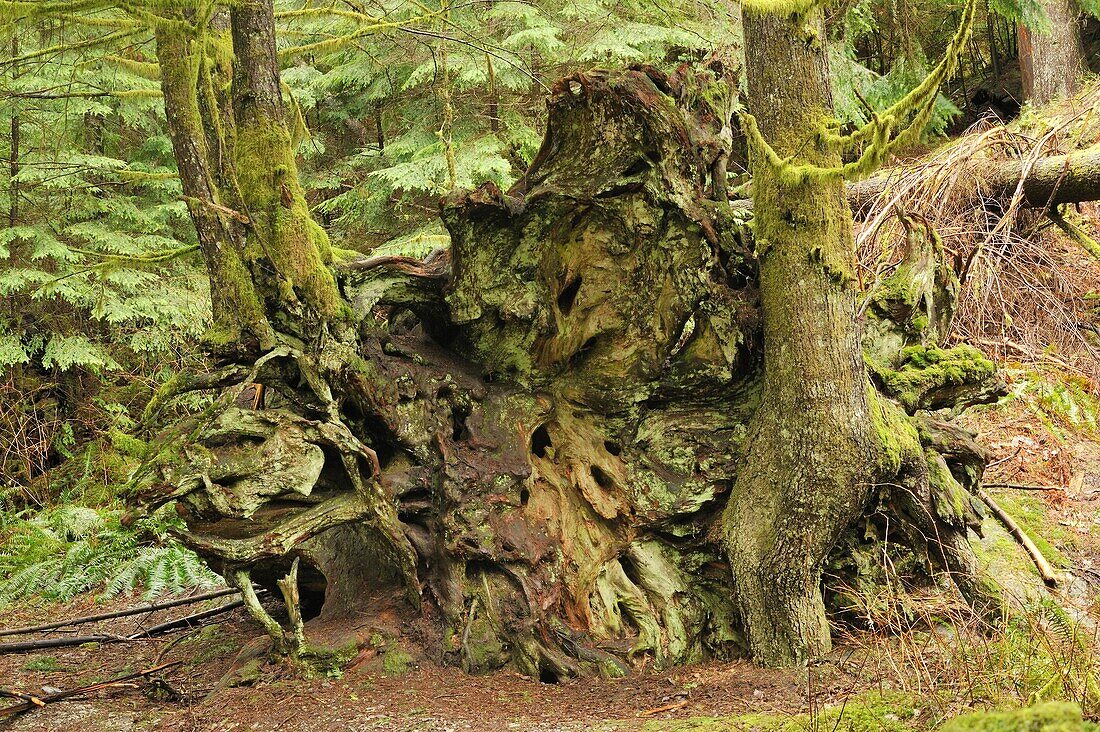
(422, 696)
(380, 691)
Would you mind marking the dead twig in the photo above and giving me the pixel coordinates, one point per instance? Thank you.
(62, 695)
(1045, 570)
(1004, 459)
(1022, 487)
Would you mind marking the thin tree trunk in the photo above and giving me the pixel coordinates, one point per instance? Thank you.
(379, 130)
(13, 165)
(1051, 63)
(991, 38)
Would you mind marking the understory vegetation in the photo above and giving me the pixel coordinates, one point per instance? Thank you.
(106, 314)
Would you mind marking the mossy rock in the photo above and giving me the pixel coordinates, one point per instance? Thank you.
(1049, 717)
(396, 662)
(248, 674)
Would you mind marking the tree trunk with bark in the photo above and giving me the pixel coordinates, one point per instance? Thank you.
(1052, 61)
(811, 451)
(599, 430)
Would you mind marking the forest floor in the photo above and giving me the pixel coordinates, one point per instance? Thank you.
(393, 690)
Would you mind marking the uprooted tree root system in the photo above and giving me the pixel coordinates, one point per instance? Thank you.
(523, 445)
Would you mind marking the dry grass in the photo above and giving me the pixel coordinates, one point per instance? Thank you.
(934, 647)
(27, 435)
(1026, 286)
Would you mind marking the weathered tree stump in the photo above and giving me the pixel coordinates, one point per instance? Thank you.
(527, 442)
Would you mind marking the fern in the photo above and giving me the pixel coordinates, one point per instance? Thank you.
(63, 552)
(1061, 403)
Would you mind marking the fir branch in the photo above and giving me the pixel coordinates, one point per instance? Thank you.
(73, 46)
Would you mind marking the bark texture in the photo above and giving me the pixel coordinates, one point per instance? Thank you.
(523, 446)
(1052, 62)
(807, 468)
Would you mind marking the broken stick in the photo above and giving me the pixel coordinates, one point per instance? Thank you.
(1045, 570)
(46, 699)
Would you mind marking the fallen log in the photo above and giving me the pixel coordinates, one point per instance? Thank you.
(120, 613)
(44, 643)
(1052, 181)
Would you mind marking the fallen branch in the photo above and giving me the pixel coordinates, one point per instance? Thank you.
(12, 693)
(79, 640)
(186, 622)
(431, 268)
(665, 708)
(120, 613)
(76, 640)
(1023, 487)
(1050, 181)
(1045, 570)
(62, 695)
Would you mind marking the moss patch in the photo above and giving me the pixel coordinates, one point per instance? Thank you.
(396, 662)
(924, 371)
(1050, 717)
(45, 664)
(863, 713)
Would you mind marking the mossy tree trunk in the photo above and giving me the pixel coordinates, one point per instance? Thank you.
(811, 453)
(238, 313)
(523, 448)
(266, 257)
(287, 251)
(1052, 59)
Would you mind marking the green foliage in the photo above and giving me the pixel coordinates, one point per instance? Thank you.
(863, 713)
(1028, 12)
(44, 664)
(851, 79)
(57, 553)
(100, 288)
(1062, 402)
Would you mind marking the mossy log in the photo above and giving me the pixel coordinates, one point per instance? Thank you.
(525, 446)
(1051, 181)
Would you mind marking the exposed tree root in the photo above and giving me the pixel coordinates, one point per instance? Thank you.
(530, 442)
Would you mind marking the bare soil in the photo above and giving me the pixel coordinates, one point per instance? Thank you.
(424, 696)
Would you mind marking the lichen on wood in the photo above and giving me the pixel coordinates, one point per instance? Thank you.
(523, 447)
